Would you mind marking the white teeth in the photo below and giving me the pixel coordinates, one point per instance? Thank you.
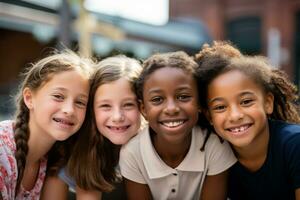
(239, 129)
(62, 121)
(121, 128)
(172, 124)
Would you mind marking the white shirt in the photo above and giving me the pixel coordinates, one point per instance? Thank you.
(139, 162)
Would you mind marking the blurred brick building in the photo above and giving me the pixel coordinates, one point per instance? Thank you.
(267, 27)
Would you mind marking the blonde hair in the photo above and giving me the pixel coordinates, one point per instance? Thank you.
(94, 158)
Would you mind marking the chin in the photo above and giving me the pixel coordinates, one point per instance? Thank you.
(117, 141)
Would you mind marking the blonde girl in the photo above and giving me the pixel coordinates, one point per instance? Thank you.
(114, 118)
(51, 107)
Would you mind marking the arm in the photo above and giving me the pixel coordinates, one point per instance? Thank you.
(87, 195)
(215, 187)
(137, 191)
(54, 188)
(297, 194)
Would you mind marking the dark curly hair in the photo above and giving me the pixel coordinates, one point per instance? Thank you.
(222, 57)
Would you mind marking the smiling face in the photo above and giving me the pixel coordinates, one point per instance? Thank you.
(116, 111)
(170, 103)
(58, 107)
(238, 109)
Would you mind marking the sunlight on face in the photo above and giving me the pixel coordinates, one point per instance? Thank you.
(116, 111)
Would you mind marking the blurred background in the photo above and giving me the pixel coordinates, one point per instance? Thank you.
(29, 29)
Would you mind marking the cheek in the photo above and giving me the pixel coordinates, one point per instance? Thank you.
(217, 119)
(81, 114)
(100, 117)
(134, 116)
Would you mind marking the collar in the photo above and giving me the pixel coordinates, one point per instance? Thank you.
(157, 168)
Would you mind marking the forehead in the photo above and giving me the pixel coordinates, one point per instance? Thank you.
(169, 73)
(69, 81)
(169, 77)
(120, 88)
(232, 82)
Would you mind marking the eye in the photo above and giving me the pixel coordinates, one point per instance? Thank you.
(184, 97)
(104, 106)
(247, 102)
(156, 100)
(81, 104)
(58, 97)
(218, 108)
(129, 105)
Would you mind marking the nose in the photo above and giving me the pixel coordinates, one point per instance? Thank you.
(117, 115)
(171, 107)
(236, 114)
(68, 107)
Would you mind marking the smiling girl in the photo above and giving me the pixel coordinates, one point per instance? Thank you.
(113, 118)
(165, 160)
(254, 107)
(51, 107)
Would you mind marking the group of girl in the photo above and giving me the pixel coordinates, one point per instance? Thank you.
(214, 126)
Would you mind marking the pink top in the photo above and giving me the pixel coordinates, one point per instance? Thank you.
(8, 167)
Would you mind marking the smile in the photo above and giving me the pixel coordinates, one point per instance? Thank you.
(118, 128)
(239, 130)
(64, 122)
(172, 124)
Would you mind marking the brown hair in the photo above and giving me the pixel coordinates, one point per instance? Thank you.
(34, 78)
(177, 59)
(222, 57)
(94, 159)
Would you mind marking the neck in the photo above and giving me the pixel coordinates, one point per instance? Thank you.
(254, 155)
(171, 153)
(38, 145)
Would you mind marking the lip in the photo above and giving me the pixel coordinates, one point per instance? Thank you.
(63, 122)
(118, 129)
(240, 130)
(172, 123)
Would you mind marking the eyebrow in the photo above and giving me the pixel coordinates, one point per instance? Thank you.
(215, 99)
(183, 87)
(240, 95)
(246, 93)
(65, 90)
(131, 98)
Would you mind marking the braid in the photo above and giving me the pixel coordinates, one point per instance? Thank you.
(33, 78)
(21, 139)
(285, 98)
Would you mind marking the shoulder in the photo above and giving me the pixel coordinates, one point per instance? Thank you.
(285, 140)
(7, 140)
(134, 144)
(6, 127)
(213, 144)
(285, 132)
(218, 154)
(213, 140)
(8, 164)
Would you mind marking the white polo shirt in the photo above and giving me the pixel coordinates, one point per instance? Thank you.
(139, 162)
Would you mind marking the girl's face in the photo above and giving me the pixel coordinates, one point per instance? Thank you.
(58, 107)
(170, 103)
(116, 111)
(238, 109)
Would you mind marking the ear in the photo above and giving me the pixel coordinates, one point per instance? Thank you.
(27, 97)
(142, 109)
(269, 103)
